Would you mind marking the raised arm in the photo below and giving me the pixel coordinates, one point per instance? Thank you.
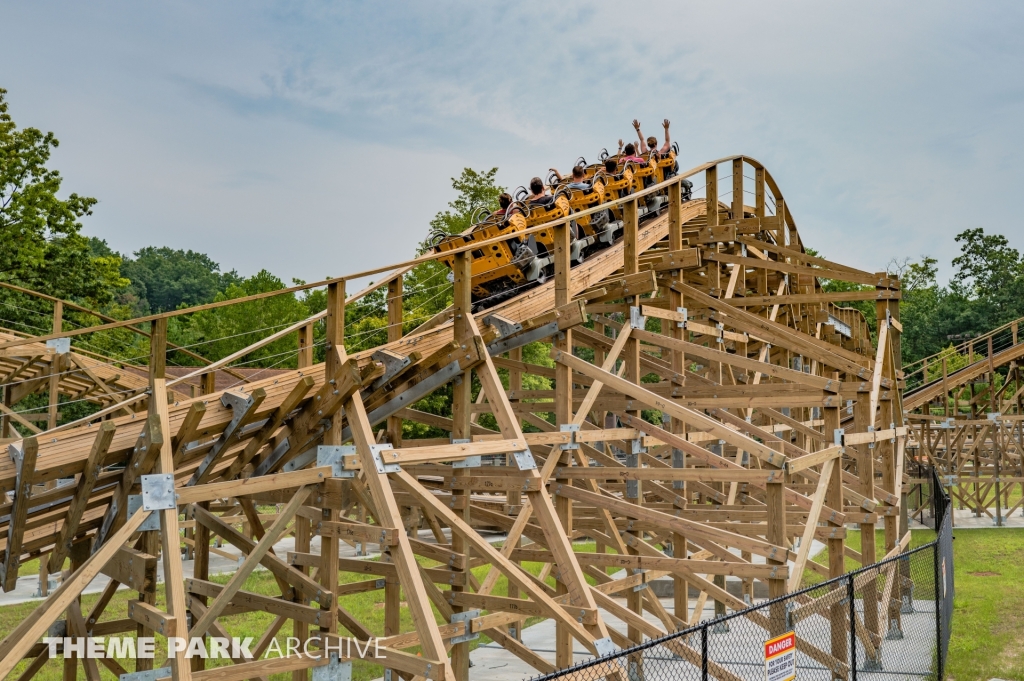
(668, 141)
(640, 136)
(557, 174)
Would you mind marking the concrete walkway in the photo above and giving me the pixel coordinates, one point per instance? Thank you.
(966, 520)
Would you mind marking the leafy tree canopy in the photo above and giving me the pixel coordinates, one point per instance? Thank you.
(165, 279)
(43, 248)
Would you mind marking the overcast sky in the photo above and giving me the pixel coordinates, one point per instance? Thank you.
(316, 139)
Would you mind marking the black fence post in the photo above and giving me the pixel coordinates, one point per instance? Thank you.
(853, 627)
(938, 611)
(704, 653)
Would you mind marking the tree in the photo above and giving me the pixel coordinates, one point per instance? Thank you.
(986, 264)
(429, 290)
(990, 276)
(42, 245)
(219, 332)
(165, 279)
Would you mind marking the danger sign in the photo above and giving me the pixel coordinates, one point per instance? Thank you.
(780, 658)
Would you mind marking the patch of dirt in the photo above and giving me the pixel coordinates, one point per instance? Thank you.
(985, 574)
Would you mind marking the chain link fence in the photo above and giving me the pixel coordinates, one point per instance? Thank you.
(890, 620)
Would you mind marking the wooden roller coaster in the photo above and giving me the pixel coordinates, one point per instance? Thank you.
(966, 413)
(711, 414)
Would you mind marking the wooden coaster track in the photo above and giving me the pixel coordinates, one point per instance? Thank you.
(780, 424)
(968, 422)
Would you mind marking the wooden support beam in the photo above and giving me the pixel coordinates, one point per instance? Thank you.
(25, 460)
(238, 578)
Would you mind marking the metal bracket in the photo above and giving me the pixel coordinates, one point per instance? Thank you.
(158, 492)
(469, 461)
(506, 327)
(720, 338)
(907, 601)
(993, 416)
(379, 454)
(16, 453)
(504, 345)
(149, 524)
(333, 456)
(60, 346)
(871, 445)
(636, 320)
(636, 448)
(335, 670)
(427, 385)
(604, 646)
(839, 437)
(525, 460)
(393, 363)
(682, 311)
(678, 461)
(240, 405)
(632, 489)
(569, 428)
(465, 617)
(278, 454)
(148, 675)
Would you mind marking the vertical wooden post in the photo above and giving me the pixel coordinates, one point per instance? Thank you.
(759, 192)
(169, 535)
(839, 614)
(395, 317)
(775, 500)
(335, 343)
(631, 358)
(53, 404)
(563, 415)
(711, 192)
(462, 407)
(737, 189)
(392, 586)
(302, 524)
(892, 413)
(782, 236)
(305, 356)
(862, 420)
(680, 587)
(201, 536)
(55, 369)
(514, 498)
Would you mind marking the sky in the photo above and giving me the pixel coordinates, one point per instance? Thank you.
(316, 139)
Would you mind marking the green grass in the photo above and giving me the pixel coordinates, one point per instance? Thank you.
(987, 639)
(366, 607)
(988, 621)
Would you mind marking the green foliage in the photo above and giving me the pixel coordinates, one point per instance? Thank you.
(954, 362)
(42, 245)
(477, 191)
(429, 291)
(165, 279)
(986, 291)
(223, 331)
(986, 264)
